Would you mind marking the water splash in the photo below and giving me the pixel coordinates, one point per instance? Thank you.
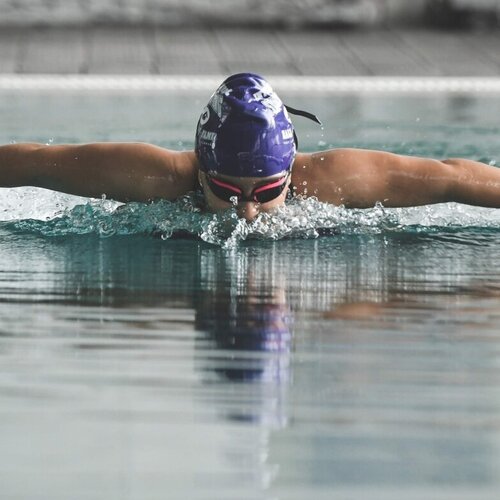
(52, 214)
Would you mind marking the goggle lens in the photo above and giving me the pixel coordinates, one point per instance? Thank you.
(261, 194)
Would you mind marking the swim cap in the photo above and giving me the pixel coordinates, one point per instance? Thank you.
(245, 130)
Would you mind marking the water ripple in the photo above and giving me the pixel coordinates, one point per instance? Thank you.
(61, 215)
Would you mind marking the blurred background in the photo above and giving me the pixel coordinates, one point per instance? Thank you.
(271, 37)
(286, 13)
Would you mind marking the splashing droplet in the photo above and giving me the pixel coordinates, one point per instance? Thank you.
(301, 217)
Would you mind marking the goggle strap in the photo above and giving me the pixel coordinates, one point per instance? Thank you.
(265, 187)
(219, 183)
(305, 114)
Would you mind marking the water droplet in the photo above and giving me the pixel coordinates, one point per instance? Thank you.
(301, 217)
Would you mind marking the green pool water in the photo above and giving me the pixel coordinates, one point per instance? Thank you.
(287, 362)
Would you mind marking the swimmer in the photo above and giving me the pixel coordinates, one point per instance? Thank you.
(246, 157)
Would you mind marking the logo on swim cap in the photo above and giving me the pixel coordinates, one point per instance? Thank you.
(205, 116)
(245, 130)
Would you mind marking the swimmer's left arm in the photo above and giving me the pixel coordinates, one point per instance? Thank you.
(121, 171)
(360, 178)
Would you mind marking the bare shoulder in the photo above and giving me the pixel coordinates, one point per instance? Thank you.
(163, 173)
(347, 157)
(160, 172)
(323, 173)
(345, 176)
(182, 164)
(359, 178)
(321, 164)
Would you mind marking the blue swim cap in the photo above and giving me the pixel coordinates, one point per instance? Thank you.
(245, 130)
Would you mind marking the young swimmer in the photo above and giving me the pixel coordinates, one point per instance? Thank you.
(245, 156)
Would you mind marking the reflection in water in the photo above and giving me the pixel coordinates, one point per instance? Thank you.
(243, 310)
(245, 314)
(133, 368)
(137, 366)
(241, 326)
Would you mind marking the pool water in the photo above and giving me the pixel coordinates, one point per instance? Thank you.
(345, 354)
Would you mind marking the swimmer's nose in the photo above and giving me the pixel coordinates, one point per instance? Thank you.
(247, 210)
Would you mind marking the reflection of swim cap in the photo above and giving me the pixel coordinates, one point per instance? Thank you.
(245, 130)
(239, 327)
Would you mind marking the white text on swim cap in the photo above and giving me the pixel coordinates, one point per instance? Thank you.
(208, 137)
(287, 133)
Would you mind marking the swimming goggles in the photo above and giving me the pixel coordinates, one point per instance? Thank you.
(261, 194)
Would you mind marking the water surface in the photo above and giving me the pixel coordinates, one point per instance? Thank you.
(281, 361)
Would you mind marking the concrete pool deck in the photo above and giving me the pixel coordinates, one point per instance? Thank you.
(146, 50)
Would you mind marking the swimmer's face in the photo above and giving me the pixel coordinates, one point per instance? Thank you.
(247, 210)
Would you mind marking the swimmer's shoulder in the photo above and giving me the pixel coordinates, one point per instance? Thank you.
(321, 173)
(186, 162)
(321, 165)
(184, 167)
(315, 168)
(166, 173)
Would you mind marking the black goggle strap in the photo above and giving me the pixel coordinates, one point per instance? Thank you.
(305, 114)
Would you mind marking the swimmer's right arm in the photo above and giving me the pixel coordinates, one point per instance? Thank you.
(119, 171)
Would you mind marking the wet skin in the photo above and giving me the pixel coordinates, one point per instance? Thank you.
(351, 177)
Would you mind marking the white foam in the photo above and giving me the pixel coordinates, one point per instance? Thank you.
(55, 214)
